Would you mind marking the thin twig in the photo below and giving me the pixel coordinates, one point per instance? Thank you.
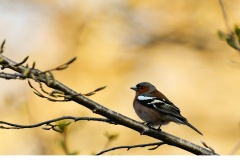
(48, 122)
(207, 146)
(231, 37)
(225, 17)
(2, 46)
(134, 146)
(22, 62)
(43, 96)
(235, 149)
(93, 92)
(61, 67)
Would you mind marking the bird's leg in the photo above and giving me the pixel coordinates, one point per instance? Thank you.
(147, 124)
(150, 125)
(159, 128)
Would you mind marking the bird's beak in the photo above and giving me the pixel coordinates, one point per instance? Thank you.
(134, 88)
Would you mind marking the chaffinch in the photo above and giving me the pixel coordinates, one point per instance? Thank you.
(154, 108)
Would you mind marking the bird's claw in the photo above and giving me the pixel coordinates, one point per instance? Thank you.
(149, 126)
(156, 128)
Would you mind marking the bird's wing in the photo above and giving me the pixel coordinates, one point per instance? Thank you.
(162, 105)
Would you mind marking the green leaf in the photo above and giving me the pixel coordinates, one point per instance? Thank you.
(222, 35)
(73, 153)
(232, 41)
(62, 126)
(26, 71)
(110, 136)
(237, 32)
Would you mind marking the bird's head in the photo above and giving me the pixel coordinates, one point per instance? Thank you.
(143, 87)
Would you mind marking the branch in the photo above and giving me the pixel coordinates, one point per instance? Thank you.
(105, 112)
(12, 76)
(158, 144)
(48, 123)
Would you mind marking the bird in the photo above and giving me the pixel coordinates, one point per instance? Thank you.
(155, 109)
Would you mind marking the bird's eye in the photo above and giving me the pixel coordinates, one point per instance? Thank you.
(141, 87)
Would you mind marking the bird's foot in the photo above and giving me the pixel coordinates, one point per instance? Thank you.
(159, 129)
(154, 126)
(147, 124)
(150, 125)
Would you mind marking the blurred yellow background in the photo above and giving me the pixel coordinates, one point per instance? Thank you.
(119, 43)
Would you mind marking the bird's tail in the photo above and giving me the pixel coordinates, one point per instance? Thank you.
(191, 126)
